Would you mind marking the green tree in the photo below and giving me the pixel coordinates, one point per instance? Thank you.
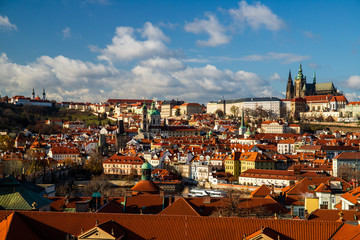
(219, 113)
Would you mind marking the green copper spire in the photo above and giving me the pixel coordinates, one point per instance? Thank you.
(314, 77)
(146, 171)
(144, 106)
(300, 74)
(242, 118)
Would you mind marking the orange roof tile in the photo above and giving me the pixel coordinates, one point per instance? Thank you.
(180, 207)
(261, 191)
(54, 225)
(146, 186)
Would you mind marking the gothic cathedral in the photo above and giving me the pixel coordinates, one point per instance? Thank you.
(301, 88)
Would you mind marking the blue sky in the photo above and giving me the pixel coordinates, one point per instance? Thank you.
(92, 50)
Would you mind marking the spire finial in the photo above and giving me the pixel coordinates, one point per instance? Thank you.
(300, 74)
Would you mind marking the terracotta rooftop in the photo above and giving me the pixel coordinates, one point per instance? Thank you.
(180, 207)
(261, 191)
(53, 225)
(147, 186)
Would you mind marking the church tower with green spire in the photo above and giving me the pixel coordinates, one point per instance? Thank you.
(242, 128)
(300, 81)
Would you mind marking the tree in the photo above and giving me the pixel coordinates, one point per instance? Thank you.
(348, 172)
(177, 112)
(6, 143)
(219, 113)
(132, 176)
(94, 164)
(97, 184)
(231, 205)
(235, 111)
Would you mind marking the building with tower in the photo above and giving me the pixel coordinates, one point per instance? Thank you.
(34, 101)
(151, 125)
(300, 88)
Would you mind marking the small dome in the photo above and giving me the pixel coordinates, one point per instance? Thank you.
(154, 112)
(96, 195)
(146, 165)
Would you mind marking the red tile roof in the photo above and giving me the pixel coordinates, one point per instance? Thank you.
(53, 225)
(261, 191)
(146, 186)
(180, 207)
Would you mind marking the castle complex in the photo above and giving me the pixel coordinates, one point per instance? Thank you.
(300, 88)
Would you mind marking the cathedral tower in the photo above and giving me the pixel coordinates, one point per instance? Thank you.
(290, 87)
(300, 81)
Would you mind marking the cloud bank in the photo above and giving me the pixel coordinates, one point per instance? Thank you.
(6, 25)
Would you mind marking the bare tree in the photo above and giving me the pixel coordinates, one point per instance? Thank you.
(348, 172)
(235, 111)
(97, 184)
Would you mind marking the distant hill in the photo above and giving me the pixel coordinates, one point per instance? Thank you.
(15, 118)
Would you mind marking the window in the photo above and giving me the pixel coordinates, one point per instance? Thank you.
(301, 212)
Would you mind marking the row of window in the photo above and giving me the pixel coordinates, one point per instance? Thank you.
(121, 166)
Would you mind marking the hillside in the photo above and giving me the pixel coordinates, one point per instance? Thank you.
(14, 118)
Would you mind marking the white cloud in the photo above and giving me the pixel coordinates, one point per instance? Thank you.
(100, 2)
(314, 65)
(210, 26)
(64, 78)
(284, 57)
(66, 33)
(6, 25)
(353, 82)
(352, 97)
(311, 35)
(125, 46)
(275, 76)
(71, 79)
(256, 16)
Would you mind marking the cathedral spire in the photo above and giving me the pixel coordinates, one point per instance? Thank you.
(289, 75)
(290, 87)
(300, 74)
(242, 118)
(44, 95)
(314, 77)
(33, 94)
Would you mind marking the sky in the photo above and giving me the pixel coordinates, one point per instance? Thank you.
(197, 51)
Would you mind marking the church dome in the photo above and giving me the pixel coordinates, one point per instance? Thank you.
(153, 110)
(146, 165)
